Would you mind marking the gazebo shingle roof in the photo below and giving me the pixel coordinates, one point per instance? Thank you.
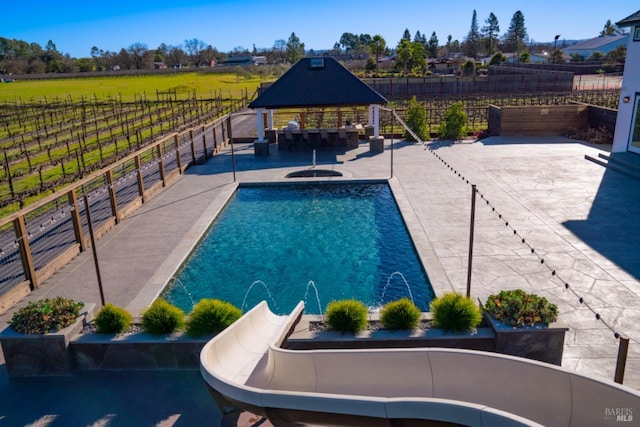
(317, 82)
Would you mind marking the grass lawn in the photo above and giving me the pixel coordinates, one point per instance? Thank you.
(129, 88)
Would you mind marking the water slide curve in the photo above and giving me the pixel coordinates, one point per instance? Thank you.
(245, 367)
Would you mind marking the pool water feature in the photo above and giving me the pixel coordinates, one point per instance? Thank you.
(271, 242)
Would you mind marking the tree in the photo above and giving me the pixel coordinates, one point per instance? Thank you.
(295, 49)
(490, 33)
(349, 42)
(411, 55)
(406, 35)
(497, 59)
(576, 57)
(280, 47)
(85, 64)
(469, 68)
(194, 49)
(516, 34)
(596, 56)
(137, 53)
(421, 38)
(472, 41)
(378, 47)
(433, 45)
(617, 55)
(555, 57)
(610, 29)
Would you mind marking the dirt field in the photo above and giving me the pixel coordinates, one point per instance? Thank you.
(597, 82)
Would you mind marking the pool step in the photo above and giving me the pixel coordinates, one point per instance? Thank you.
(626, 163)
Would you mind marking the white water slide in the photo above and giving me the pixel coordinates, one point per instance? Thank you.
(245, 367)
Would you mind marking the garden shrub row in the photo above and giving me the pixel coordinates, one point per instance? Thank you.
(452, 312)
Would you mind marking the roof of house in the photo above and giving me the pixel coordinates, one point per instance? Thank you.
(596, 42)
(317, 82)
(630, 20)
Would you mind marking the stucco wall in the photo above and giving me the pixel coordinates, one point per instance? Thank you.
(630, 87)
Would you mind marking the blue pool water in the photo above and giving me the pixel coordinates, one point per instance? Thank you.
(283, 243)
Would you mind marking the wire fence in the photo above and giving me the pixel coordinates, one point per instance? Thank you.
(38, 240)
(547, 263)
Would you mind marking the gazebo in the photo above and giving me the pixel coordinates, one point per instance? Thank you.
(315, 82)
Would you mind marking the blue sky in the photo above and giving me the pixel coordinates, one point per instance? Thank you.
(76, 26)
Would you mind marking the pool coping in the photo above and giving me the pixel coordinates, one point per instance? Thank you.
(172, 263)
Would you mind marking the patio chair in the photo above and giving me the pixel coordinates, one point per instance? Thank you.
(343, 138)
(324, 138)
(288, 139)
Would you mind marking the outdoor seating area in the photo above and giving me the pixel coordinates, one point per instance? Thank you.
(324, 138)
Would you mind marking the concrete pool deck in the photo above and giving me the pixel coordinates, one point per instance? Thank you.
(579, 217)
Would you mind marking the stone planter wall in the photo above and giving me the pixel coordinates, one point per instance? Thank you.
(545, 344)
(136, 351)
(483, 340)
(28, 355)
(70, 350)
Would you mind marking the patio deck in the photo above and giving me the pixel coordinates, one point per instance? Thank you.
(580, 217)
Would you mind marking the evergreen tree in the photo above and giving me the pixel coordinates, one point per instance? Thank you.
(516, 34)
(295, 49)
(473, 37)
(490, 33)
(406, 35)
(433, 45)
(610, 29)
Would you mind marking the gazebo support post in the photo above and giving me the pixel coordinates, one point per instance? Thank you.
(260, 145)
(376, 142)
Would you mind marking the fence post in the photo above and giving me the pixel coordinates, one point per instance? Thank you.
(22, 238)
(140, 178)
(204, 142)
(229, 130)
(471, 232)
(178, 157)
(193, 146)
(75, 219)
(94, 248)
(215, 139)
(161, 164)
(112, 195)
(621, 362)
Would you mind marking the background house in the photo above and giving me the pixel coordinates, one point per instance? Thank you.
(604, 44)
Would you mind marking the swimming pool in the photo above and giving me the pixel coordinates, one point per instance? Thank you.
(311, 242)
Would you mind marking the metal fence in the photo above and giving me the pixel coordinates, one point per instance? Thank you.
(40, 239)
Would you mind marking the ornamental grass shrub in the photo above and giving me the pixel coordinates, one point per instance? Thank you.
(454, 312)
(400, 315)
(518, 308)
(211, 316)
(112, 319)
(46, 315)
(346, 316)
(162, 318)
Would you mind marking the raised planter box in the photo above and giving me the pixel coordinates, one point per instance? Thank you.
(139, 351)
(545, 344)
(482, 339)
(70, 350)
(28, 355)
